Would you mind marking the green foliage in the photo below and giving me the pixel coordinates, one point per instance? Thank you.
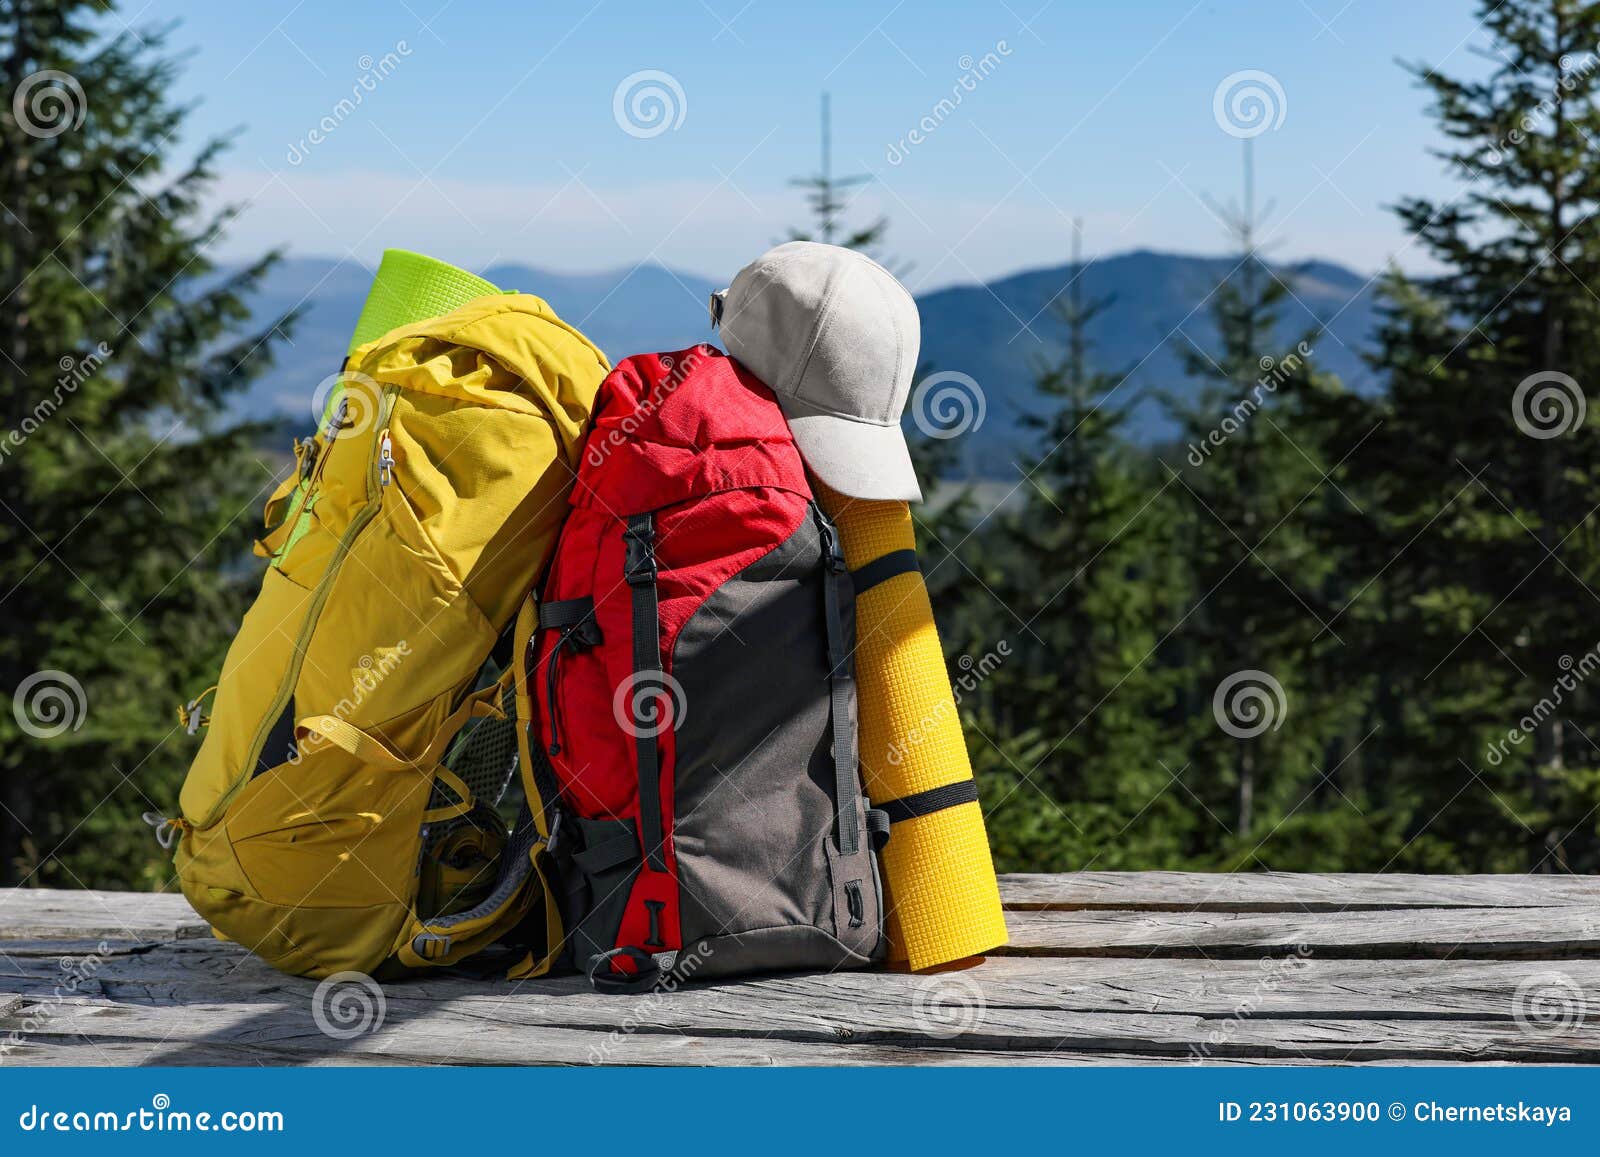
(1417, 572)
(1077, 744)
(127, 502)
(1479, 479)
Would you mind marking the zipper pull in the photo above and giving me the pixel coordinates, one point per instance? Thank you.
(385, 459)
(168, 831)
(193, 715)
(336, 419)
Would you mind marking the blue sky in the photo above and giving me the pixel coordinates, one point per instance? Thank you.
(492, 135)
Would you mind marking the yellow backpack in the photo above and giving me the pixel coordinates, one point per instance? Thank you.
(348, 808)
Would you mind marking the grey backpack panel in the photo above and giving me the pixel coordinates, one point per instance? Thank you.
(763, 883)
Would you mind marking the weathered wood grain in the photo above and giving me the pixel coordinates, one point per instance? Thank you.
(1290, 891)
(55, 1054)
(42, 913)
(206, 1004)
(1478, 933)
(883, 1030)
(39, 913)
(198, 973)
(1104, 968)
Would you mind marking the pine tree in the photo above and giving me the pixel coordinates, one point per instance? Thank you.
(827, 196)
(1082, 712)
(127, 497)
(946, 512)
(1256, 630)
(1484, 475)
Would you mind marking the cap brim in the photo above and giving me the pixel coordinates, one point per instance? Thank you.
(858, 459)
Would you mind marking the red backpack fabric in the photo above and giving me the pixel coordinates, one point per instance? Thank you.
(694, 692)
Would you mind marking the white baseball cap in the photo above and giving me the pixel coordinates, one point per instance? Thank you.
(836, 337)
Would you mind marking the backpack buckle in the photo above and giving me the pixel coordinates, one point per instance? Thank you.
(430, 945)
(832, 554)
(555, 839)
(639, 567)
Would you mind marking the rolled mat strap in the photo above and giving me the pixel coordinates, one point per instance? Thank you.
(935, 799)
(881, 570)
(941, 896)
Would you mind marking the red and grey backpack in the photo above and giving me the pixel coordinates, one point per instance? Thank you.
(695, 698)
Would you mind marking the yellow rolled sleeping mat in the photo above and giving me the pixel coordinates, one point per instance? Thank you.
(942, 899)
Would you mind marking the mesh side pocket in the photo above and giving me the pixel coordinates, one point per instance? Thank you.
(485, 757)
(468, 862)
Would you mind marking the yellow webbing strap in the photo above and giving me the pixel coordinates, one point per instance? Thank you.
(535, 963)
(375, 753)
(450, 811)
(278, 501)
(522, 641)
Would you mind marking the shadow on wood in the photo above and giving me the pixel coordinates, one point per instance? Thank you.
(1104, 968)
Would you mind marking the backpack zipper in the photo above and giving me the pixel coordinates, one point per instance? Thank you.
(375, 492)
(312, 470)
(552, 689)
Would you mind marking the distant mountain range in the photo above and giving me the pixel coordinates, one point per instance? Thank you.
(996, 334)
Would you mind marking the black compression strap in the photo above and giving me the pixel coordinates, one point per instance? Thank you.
(565, 613)
(933, 800)
(646, 976)
(883, 569)
(841, 688)
(640, 572)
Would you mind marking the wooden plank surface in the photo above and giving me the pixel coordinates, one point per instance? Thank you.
(1290, 891)
(1107, 968)
(1338, 1011)
(1308, 987)
(41, 913)
(34, 913)
(1478, 933)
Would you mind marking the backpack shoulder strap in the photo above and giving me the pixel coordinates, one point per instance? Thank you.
(538, 782)
(841, 684)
